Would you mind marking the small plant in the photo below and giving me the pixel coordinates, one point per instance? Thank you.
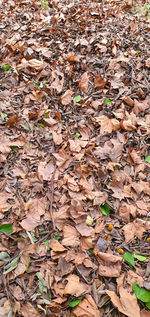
(44, 4)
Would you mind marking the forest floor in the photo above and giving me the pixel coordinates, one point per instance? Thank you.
(74, 158)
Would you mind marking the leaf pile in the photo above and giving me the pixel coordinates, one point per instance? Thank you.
(74, 159)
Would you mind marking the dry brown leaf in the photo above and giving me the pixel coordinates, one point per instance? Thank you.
(84, 230)
(49, 122)
(4, 205)
(129, 101)
(57, 80)
(27, 310)
(31, 221)
(144, 313)
(99, 82)
(18, 293)
(84, 82)
(57, 138)
(70, 236)
(99, 198)
(74, 287)
(109, 264)
(147, 62)
(136, 228)
(126, 304)
(66, 98)
(11, 122)
(36, 205)
(140, 106)
(141, 187)
(71, 58)
(45, 171)
(124, 212)
(86, 308)
(56, 246)
(107, 125)
(33, 63)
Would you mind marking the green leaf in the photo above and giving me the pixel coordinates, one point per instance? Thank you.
(77, 98)
(128, 257)
(78, 135)
(105, 209)
(27, 129)
(4, 256)
(47, 245)
(42, 283)
(108, 101)
(36, 85)
(14, 148)
(148, 305)
(147, 159)
(138, 52)
(91, 250)
(6, 228)
(56, 237)
(75, 302)
(6, 67)
(27, 266)
(3, 115)
(141, 258)
(42, 125)
(12, 265)
(147, 6)
(141, 293)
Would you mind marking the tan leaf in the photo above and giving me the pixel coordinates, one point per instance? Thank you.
(56, 246)
(4, 205)
(87, 308)
(136, 228)
(18, 293)
(140, 106)
(84, 82)
(124, 212)
(145, 313)
(70, 236)
(126, 304)
(57, 80)
(27, 310)
(66, 97)
(31, 221)
(33, 63)
(99, 82)
(45, 171)
(57, 138)
(147, 62)
(71, 58)
(74, 287)
(109, 265)
(99, 198)
(36, 205)
(84, 229)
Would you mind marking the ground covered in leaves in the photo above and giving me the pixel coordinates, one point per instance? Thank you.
(74, 159)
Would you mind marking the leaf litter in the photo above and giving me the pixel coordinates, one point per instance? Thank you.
(74, 158)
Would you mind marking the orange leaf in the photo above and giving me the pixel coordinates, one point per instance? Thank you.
(12, 121)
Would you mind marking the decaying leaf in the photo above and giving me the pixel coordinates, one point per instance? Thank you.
(109, 265)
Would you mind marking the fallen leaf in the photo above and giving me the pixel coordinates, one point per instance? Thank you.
(45, 171)
(86, 308)
(66, 97)
(107, 125)
(71, 58)
(27, 310)
(109, 265)
(126, 304)
(74, 287)
(99, 82)
(135, 229)
(70, 236)
(57, 138)
(84, 82)
(11, 122)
